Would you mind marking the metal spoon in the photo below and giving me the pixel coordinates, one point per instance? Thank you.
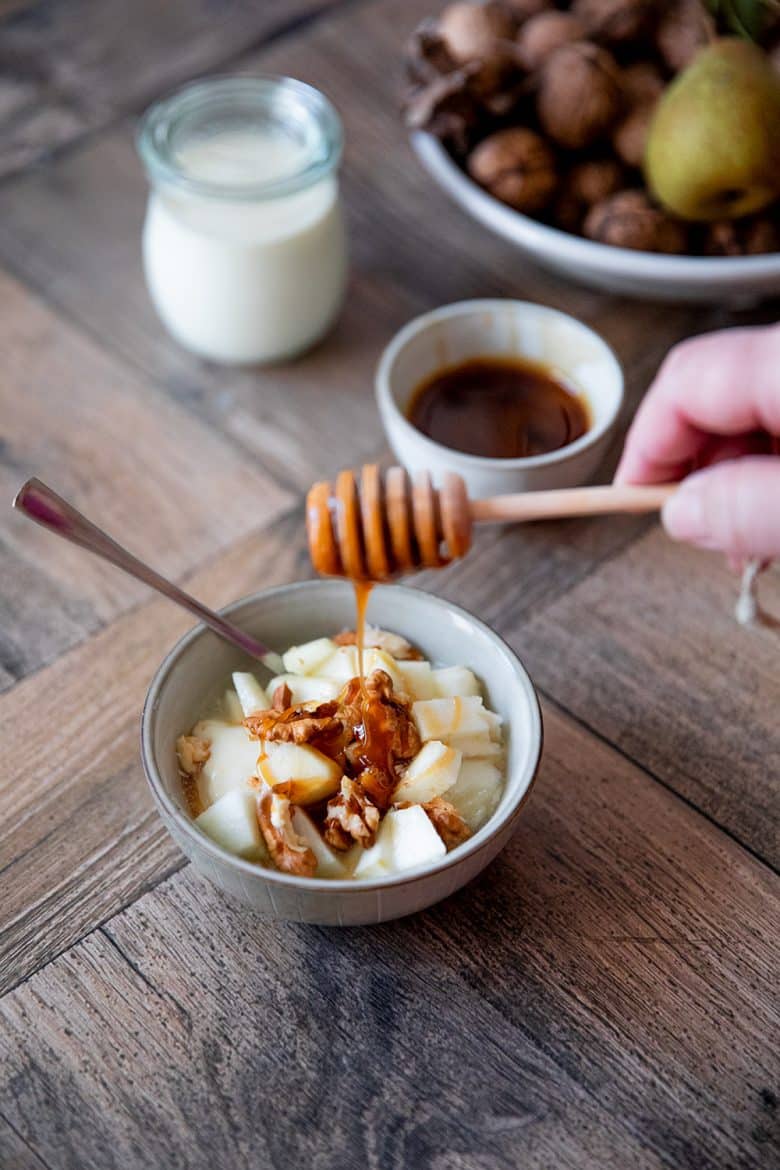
(46, 508)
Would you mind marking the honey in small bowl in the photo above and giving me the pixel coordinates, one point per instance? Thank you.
(499, 408)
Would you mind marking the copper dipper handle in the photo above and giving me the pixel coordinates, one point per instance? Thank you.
(364, 526)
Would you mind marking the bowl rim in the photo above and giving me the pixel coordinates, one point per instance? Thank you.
(387, 403)
(606, 258)
(481, 840)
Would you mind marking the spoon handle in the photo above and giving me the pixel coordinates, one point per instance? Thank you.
(45, 507)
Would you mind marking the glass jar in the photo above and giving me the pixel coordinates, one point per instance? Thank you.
(244, 244)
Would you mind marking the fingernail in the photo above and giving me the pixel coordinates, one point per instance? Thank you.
(684, 516)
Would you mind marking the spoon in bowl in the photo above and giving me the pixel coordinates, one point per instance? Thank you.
(45, 507)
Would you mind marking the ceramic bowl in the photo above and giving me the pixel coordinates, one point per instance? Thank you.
(500, 328)
(737, 281)
(195, 672)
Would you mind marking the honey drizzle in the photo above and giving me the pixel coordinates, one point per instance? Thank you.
(362, 594)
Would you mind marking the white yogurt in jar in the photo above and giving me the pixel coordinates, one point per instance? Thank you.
(244, 243)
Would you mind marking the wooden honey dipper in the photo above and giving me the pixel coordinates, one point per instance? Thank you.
(369, 529)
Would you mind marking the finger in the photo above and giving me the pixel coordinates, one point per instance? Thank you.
(724, 383)
(732, 507)
(718, 449)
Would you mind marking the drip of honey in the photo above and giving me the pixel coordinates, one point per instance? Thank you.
(362, 594)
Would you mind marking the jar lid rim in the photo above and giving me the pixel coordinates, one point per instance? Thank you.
(158, 128)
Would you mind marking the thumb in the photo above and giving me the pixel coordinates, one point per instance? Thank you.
(733, 506)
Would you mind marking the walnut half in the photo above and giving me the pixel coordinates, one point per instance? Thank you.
(351, 817)
(193, 751)
(289, 852)
(447, 822)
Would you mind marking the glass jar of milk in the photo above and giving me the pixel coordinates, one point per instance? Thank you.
(244, 245)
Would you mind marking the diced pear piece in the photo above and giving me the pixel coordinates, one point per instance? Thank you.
(306, 659)
(432, 771)
(455, 680)
(374, 659)
(306, 688)
(342, 664)
(299, 772)
(417, 680)
(476, 792)
(479, 744)
(330, 864)
(406, 838)
(494, 723)
(251, 695)
(441, 718)
(232, 822)
(232, 758)
(231, 707)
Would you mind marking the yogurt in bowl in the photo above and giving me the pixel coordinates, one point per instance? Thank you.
(192, 679)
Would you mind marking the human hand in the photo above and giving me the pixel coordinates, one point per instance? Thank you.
(712, 419)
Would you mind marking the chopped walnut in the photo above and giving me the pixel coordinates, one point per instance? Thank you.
(447, 822)
(193, 751)
(299, 724)
(351, 816)
(393, 644)
(289, 852)
(282, 698)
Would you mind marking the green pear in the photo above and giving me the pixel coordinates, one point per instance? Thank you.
(713, 150)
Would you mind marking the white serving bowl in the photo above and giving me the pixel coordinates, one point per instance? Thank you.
(197, 670)
(500, 328)
(737, 281)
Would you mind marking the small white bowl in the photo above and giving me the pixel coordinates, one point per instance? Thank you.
(737, 281)
(196, 671)
(500, 328)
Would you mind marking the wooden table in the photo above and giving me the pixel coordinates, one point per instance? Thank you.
(606, 994)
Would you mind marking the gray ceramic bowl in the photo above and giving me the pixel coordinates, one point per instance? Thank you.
(197, 670)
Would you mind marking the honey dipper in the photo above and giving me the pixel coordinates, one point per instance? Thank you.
(369, 527)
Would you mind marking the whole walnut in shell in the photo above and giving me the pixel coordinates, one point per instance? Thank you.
(544, 33)
(743, 237)
(629, 220)
(629, 137)
(579, 94)
(586, 184)
(615, 22)
(642, 82)
(517, 166)
(524, 9)
(684, 28)
(470, 31)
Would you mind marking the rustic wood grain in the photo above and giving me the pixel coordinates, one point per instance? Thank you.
(80, 836)
(601, 997)
(646, 652)
(15, 1154)
(68, 69)
(135, 462)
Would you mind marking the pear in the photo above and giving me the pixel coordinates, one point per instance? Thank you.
(713, 150)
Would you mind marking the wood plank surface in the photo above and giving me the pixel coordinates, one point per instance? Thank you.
(67, 69)
(158, 479)
(646, 652)
(604, 996)
(601, 997)
(15, 1154)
